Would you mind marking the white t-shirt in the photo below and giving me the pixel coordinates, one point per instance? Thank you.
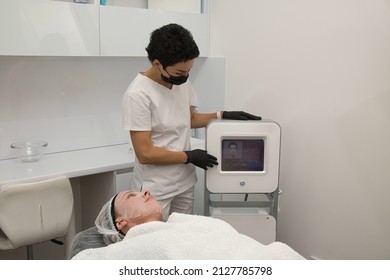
(149, 106)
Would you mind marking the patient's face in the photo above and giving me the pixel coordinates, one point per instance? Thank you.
(138, 206)
(233, 150)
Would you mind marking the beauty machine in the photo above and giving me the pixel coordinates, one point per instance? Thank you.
(243, 189)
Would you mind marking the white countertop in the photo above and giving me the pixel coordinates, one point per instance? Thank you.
(73, 163)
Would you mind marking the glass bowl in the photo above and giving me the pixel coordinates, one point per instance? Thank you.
(29, 150)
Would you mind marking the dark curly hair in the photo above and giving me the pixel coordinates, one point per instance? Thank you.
(171, 44)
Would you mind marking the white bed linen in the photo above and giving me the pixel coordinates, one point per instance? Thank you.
(189, 237)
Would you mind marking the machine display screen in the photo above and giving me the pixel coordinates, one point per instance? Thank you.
(242, 155)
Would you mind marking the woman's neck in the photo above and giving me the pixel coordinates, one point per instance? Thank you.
(154, 74)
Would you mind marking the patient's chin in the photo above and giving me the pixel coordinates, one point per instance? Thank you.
(153, 214)
(157, 216)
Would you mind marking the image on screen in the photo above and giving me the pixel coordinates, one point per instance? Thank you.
(242, 155)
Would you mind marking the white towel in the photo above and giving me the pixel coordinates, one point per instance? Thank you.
(189, 237)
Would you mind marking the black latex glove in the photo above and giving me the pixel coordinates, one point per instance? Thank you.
(239, 115)
(201, 158)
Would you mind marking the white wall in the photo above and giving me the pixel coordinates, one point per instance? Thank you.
(321, 69)
(76, 102)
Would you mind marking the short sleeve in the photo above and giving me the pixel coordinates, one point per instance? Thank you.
(136, 112)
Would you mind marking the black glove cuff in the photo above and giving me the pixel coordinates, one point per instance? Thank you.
(188, 157)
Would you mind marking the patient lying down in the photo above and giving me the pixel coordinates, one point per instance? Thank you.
(135, 219)
(124, 211)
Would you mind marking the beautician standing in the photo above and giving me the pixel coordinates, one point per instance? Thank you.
(158, 112)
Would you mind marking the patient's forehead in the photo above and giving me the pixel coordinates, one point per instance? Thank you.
(124, 195)
(127, 199)
(122, 198)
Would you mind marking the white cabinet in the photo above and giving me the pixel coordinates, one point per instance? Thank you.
(125, 31)
(57, 28)
(123, 179)
(50, 28)
(189, 6)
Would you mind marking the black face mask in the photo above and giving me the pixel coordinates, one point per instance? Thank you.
(175, 80)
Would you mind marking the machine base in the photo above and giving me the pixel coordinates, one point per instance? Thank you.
(253, 222)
